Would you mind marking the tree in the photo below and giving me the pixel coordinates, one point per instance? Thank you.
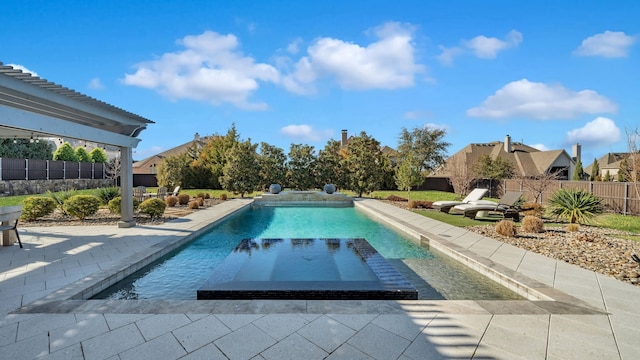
(98, 155)
(82, 155)
(408, 174)
(172, 170)
(461, 176)
(113, 169)
(241, 173)
(329, 169)
(493, 169)
(301, 168)
(364, 163)
(25, 149)
(595, 171)
(426, 145)
(273, 165)
(65, 153)
(212, 159)
(607, 176)
(578, 172)
(538, 185)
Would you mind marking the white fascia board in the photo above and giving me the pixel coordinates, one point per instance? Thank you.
(47, 125)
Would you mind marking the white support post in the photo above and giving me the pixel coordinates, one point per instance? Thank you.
(126, 188)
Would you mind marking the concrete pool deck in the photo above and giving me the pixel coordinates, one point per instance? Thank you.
(593, 316)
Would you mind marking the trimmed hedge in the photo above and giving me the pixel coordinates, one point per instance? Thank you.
(153, 207)
(36, 207)
(81, 206)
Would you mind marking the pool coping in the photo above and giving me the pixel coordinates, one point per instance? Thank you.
(542, 299)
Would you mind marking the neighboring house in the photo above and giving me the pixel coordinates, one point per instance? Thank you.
(528, 161)
(150, 164)
(609, 162)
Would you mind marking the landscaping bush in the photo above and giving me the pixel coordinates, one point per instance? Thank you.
(115, 205)
(420, 204)
(207, 196)
(200, 201)
(395, 198)
(412, 204)
(223, 197)
(506, 228)
(107, 194)
(532, 224)
(574, 206)
(153, 207)
(183, 199)
(36, 207)
(60, 197)
(193, 205)
(532, 209)
(171, 201)
(573, 227)
(200, 195)
(81, 206)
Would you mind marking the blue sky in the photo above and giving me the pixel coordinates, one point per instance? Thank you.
(548, 73)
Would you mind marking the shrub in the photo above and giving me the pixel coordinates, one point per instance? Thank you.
(207, 196)
(420, 204)
(412, 204)
(183, 199)
(532, 209)
(107, 194)
(506, 228)
(81, 206)
(200, 195)
(35, 207)
(223, 197)
(574, 205)
(200, 201)
(193, 205)
(60, 197)
(573, 227)
(171, 201)
(532, 224)
(153, 207)
(395, 198)
(115, 205)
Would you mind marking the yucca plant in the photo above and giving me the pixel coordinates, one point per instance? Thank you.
(107, 194)
(60, 197)
(574, 206)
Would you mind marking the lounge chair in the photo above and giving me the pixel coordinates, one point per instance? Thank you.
(175, 191)
(506, 207)
(446, 205)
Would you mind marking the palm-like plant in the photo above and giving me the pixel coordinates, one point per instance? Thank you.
(575, 206)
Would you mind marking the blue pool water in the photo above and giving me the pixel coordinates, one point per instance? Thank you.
(179, 274)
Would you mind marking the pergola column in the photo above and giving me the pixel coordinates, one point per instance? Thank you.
(126, 188)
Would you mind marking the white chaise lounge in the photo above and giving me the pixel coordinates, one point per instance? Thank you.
(474, 196)
(506, 206)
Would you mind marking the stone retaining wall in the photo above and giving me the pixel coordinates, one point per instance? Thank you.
(27, 187)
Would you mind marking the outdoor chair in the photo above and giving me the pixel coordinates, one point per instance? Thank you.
(162, 192)
(138, 193)
(446, 205)
(175, 191)
(9, 216)
(506, 206)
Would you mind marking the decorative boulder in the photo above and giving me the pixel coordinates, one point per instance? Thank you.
(329, 188)
(275, 188)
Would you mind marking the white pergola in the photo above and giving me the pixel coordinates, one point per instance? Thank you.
(34, 107)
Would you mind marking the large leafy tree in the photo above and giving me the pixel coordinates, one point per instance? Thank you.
(408, 174)
(494, 169)
(98, 155)
(213, 157)
(426, 145)
(173, 169)
(329, 168)
(65, 153)
(273, 165)
(82, 154)
(25, 149)
(301, 167)
(241, 173)
(364, 163)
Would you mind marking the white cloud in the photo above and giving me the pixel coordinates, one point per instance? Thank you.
(433, 126)
(305, 133)
(385, 64)
(609, 44)
(294, 46)
(418, 114)
(96, 84)
(598, 133)
(541, 101)
(541, 147)
(481, 46)
(23, 69)
(210, 69)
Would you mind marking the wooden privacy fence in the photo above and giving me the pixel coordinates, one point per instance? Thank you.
(620, 197)
(26, 169)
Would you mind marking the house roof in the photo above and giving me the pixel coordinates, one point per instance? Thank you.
(144, 166)
(609, 161)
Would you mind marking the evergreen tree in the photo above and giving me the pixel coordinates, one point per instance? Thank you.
(578, 172)
(65, 153)
(213, 157)
(364, 163)
(329, 168)
(301, 168)
(25, 149)
(607, 176)
(273, 165)
(82, 155)
(98, 155)
(241, 173)
(595, 171)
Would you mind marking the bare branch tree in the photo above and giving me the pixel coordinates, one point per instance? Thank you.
(633, 161)
(539, 184)
(461, 176)
(113, 169)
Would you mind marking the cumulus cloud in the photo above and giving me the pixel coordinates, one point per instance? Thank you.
(305, 133)
(294, 46)
(433, 126)
(541, 147)
(96, 84)
(418, 114)
(598, 133)
(611, 44)
(23, 69)
(481, 46)
(541, 101)
(209, 69)
(387, 63)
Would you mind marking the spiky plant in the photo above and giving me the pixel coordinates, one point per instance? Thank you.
(574, 205)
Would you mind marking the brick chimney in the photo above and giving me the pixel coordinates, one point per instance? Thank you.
(196, 137)
(507, 144)
(343, 140)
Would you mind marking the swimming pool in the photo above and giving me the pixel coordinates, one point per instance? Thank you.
(179, 274)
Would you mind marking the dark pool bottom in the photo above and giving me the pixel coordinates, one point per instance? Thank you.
(311, 269)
